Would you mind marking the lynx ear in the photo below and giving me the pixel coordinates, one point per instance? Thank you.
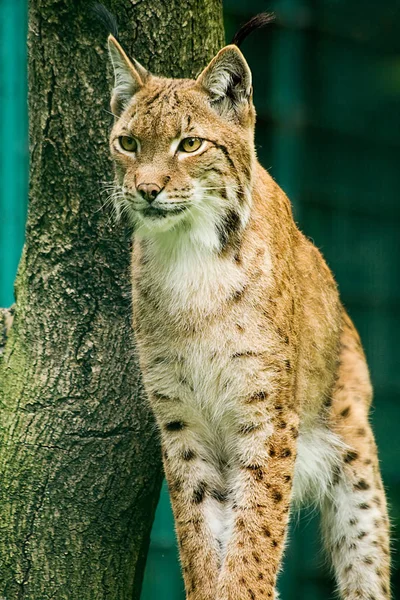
(129, 75)
(227, 79)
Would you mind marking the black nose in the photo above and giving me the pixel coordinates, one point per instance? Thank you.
(149, 191)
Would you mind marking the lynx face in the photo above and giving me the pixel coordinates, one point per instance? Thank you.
(182, 148)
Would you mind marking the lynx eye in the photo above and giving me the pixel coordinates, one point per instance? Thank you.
(128, 143)
(190, 144)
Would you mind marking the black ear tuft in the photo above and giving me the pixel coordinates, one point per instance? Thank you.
(260, 20)
(106, 18)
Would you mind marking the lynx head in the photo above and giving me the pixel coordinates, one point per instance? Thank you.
(183, 149)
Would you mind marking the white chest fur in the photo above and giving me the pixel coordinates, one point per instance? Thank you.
(195, 379)
(191, 279)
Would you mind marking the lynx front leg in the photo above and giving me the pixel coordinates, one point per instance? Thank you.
(261, 497)
(191, 479)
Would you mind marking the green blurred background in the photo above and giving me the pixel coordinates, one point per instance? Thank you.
(327, 93)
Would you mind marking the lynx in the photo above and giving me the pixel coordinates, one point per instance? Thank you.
(254, 371)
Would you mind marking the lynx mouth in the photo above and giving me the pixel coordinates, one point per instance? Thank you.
(158, 212)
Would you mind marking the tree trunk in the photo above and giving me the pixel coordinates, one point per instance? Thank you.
(79, 460)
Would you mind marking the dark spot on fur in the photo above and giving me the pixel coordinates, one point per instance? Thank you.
(345, 412)
(274, 543)
(242, 581)
(272, 452)
(252, 594)
(266, 531)
(285, 453)
(175, 426)
(188, 455)
(256, 557)
(361, 535)
(228, 228)
(376, 500)
(257, 397)
(175, 487)
(244, 429)
(276, 495)
(353, 521)
(199, 492)
(219, 495)
(340, 542)
(348, 568)
(153, 98)
(368, 461)
(245, 354)
(364, 506)
(239, 328)
(350, 456)
(282, 425)
(257, 472)
(336, 475)
(361, 432)
(259, 475)
(295, 432)
(287, 478)
(161, 397)
(160, 360)
(361, 485)
(288, 365)
(253, 467)
(368, 560)
(352, 546)
(238, 294)
(222, 191)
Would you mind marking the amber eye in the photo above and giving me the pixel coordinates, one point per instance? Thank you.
(128, 143)
(190, 144)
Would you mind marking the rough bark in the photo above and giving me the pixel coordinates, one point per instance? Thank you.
(79, 458)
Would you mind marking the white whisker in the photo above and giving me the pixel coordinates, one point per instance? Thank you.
(118, 118)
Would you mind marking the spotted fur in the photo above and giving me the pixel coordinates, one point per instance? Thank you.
(255, 373)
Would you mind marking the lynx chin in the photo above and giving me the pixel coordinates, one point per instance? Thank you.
(254, 371)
